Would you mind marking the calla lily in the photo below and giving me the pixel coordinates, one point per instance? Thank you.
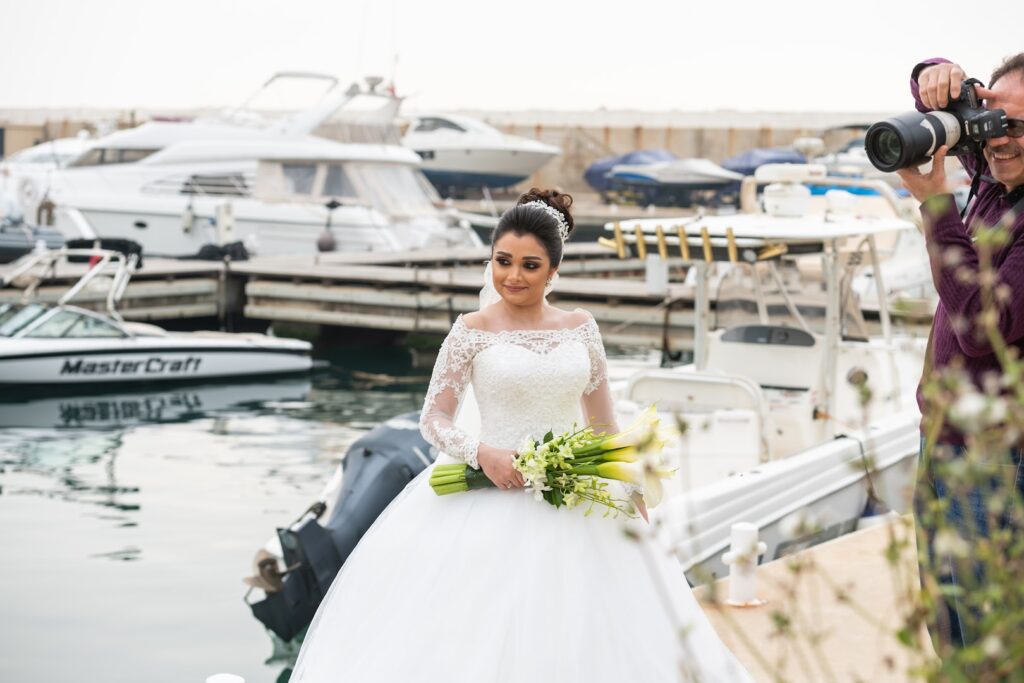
(567, 469)
(629, 454)
(636, 433)
(653, 490)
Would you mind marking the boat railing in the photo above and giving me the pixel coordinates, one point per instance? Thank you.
(98, 260)
(748, 189)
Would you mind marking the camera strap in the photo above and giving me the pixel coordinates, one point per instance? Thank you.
(979, 160)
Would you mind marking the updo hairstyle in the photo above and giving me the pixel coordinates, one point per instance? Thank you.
(533, 220)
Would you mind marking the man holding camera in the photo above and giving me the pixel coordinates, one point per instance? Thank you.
(961, 341)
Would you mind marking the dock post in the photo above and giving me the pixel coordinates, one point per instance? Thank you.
(742, 560)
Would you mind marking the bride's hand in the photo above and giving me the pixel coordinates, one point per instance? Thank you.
(497, 465)
(641, 506)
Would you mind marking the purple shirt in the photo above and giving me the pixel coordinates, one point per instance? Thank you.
(956, 336)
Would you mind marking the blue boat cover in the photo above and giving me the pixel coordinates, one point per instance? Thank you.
(747, 162)
(597, 174)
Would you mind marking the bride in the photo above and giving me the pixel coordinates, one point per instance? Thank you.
(493, 585)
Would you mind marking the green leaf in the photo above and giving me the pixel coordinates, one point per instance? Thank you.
(549, 436)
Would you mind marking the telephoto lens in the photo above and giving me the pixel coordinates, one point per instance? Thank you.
(910, 139)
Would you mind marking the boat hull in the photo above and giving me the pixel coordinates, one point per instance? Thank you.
(475, 168)
(138, 360)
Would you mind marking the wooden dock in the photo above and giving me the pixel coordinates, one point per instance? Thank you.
(831, 612)
(408, 292)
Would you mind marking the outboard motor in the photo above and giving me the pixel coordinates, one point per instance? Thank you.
(375, 469)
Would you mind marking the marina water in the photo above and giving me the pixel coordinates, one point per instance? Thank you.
(129, 519)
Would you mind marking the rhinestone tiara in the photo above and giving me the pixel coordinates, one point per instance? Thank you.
(563, 227)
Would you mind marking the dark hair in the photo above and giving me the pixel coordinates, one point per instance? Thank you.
(1009, 65)
(534, 220)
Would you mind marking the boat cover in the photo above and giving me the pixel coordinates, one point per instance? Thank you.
(598, 174)
(749, 161)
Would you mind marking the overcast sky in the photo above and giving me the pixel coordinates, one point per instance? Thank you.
(792, 55)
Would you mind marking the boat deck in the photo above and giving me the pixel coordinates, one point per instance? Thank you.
(845, 594)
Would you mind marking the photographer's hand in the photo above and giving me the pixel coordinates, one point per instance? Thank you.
(938, 83)
(927, 185)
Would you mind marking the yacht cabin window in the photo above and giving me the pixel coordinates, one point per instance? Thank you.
(101, 157)
(226, 185)
(338, 184)
(393, 188)
(298, 178)
(432, 123)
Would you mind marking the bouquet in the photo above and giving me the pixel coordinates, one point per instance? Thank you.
(573, 468)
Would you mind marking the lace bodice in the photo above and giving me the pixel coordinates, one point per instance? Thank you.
(526, 382)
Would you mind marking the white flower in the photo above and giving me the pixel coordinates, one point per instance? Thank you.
(992, 646)
(974, 411)
(950, 543)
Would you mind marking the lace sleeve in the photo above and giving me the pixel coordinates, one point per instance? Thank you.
(598, 409)
(597, 397)
(452, 372)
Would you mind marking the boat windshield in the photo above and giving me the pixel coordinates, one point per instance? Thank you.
(392, 188)
(69, 323)
(15, 318)
(735, 297)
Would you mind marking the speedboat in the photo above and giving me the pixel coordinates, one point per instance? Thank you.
(461, 153)
(797, 418)
(274, 186)
(64, 345)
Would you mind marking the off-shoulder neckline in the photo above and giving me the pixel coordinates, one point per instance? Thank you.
(583, 324)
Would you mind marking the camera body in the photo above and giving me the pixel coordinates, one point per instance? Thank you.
(911, 139)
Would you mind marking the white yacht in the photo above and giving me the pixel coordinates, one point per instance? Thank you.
(176, 186)
(460, 152)
(64, 345)
(776, 431)
(25, 175)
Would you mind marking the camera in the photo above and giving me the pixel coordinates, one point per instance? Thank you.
(911, 139)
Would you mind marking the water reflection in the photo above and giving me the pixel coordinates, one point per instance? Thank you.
(157, 497)
(145, 405)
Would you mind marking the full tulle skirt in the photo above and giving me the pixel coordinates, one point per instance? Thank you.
(496, 586)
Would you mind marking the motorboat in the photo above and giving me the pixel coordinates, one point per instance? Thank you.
(798, 418)
(271, 184)
(65, 345)
(296, 567)
(460, 152)
(777, 432)
(17, 237)
(746, 163)
(675, 182)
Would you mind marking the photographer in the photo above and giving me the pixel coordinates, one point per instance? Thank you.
(960, 341)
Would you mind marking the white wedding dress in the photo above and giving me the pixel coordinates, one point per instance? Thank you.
(493, 585)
